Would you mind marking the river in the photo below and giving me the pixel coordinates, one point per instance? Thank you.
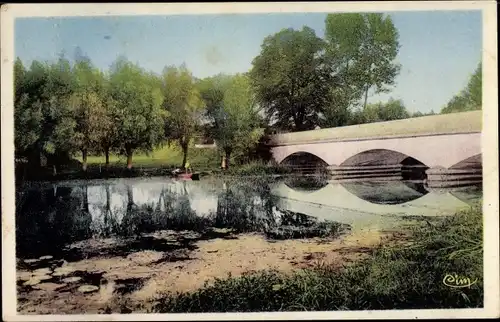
(50, 216)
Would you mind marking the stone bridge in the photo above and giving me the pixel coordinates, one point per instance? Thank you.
(445, 148)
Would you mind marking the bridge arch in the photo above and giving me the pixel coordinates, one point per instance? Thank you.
(373, 157)
(304, 161)
(473, 162)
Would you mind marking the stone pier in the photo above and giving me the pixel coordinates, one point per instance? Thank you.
(444, 178)
(386, 172)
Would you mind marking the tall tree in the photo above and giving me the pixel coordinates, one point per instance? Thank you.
(290, 78)
(361, 51)
(109, 126)
(234, 118)
(184, 105)
(88, 104)
(58, 124)
(139, 108)
(27, 112)
(470, 98)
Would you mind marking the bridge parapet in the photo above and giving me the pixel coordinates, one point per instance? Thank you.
(454, 123)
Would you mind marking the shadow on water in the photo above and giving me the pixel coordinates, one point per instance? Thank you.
(60, 221)
(386, 193)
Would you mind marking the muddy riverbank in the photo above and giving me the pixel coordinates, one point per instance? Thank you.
(121, 283)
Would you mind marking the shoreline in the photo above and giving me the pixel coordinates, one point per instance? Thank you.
(147, 274)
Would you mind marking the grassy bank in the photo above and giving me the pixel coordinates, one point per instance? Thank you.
(167, 156)
(402, 276)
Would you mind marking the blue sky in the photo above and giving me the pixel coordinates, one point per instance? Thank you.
(439, 49)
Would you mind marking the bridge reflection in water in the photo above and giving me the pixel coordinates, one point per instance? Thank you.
(362, 203)
(52, 215)
(354, 203)
(345, 202)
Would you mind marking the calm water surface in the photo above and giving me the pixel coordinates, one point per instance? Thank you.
(50, 216)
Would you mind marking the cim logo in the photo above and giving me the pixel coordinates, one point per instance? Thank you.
(454, 280)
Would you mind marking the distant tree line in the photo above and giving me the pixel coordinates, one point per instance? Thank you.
(297, 82)
(62, 109)
(470, 98)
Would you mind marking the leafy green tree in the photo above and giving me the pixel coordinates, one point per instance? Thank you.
(42, 106)
(88, 105)
(212, 90)
(184, 105)
(475, 88)
(361, 51)
(138, 102)
(27, 113)
(109, 126)
(470, 98)
(380, 112)
(290, 79)
(235, 118)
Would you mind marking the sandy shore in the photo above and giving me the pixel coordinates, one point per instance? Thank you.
(129, 281)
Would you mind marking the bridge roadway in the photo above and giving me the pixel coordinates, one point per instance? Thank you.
(448, 146)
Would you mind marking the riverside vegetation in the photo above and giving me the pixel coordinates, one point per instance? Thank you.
(71, 109)
(405, 275)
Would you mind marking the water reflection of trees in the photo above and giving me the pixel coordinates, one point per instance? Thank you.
(47, 219)
(247, 207)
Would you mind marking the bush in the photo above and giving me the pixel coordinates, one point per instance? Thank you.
(258, 169)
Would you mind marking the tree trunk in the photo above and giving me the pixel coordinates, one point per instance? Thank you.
(130, 196)
(366, 97)
(222, 162)
(107, 212)
(84, 159)
(228, 155)
(86, 199)
(35, 159)
(129, 158)
(106, 153)
(130, 201)
(185, 154)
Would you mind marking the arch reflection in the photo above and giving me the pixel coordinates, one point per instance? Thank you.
(386, 192)
(306, 184)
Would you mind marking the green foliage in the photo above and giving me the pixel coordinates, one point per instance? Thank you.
(361, 51)
(470, 98)
(28, 111)
(183, 104)
(43, 119)
(90, 109)
(418, 114)
(258, 168)
(379, 112)
(290, 79)
(138, 98)
(233, 114)
(394, 277)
